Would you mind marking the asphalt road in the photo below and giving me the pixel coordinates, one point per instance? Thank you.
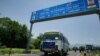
(71, 53)
(23, 55)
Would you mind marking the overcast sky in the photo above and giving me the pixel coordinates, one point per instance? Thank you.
(78, 30)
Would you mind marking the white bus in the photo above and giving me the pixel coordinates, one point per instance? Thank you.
(54, 43)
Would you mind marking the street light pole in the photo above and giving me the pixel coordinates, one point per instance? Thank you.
(29, 38)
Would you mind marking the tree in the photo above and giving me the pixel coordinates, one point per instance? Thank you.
(23, 36)
(37, 41)
(13, 34)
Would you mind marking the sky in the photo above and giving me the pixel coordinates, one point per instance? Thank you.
(78, 30)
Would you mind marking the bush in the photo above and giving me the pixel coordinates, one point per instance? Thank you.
(2, 47)
(17, 50)
(14, 50)
(4, 51)
(31, 46)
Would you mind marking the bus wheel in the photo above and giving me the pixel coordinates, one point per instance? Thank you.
(64, 54)
(58, 53)
(45, 53)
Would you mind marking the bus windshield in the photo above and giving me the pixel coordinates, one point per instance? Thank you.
(51, 37)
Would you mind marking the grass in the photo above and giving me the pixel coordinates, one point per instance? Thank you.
(4, 51)
(14, 50)
(17, 51)
(98, 52)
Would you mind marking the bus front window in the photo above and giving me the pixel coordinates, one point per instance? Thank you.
(50, 37)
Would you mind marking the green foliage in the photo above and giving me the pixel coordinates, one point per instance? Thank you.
(36, 42)
(3, 47)
(0, 44)
(13, 34)
(31, 46)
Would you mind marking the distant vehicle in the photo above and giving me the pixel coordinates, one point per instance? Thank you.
(81, 48)
(89, 47)
(75, 48)
(54, 43)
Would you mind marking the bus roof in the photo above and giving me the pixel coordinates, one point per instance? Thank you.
(51, 33)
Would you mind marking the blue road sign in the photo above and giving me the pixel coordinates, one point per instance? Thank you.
(65, 9)
(97, 3)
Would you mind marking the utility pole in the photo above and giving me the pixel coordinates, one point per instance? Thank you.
(27, 50)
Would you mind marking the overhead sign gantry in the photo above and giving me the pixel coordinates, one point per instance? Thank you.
(78, 7)
(75, 8)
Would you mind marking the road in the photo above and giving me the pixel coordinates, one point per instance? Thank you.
(71, 53)
(23, 55)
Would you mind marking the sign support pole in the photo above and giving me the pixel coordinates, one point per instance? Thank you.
(99, 17)
(27, 50)
(98, 12)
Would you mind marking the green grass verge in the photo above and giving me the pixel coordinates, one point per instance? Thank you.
(14, 50)
(17, 51)
(4, 51)
(98, 52)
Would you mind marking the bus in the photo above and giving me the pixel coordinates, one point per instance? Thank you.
(54, 43)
